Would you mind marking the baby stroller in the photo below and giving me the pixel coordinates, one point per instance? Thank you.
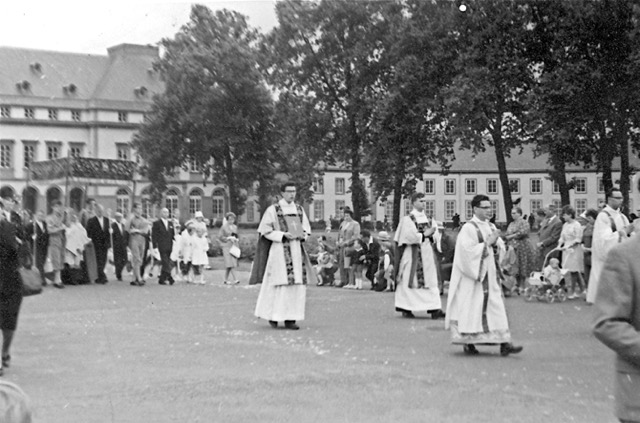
(546, 289)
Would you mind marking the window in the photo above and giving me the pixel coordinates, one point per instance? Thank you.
(449, 186)
(53, 114)
(29, 154)
(468, 210)
(29, 113)
(430, 186)
(318, 210)
(218, 204)
(492, 186)
(195, 201)
(556, 188)
(5, 154)
(340, 186)
(123, 151)
(581, 206)
(536, 186)
(318, 185)
(147, 207)
(407, 207)
(123, 117)
(339, 209)
(600, 185)
(250, 211)
(122, 201)
(388, 209)
(75, 150)
(469, 186)
(581, 185)
(430, 208)
(171, 201)
(535, 206)
(76, 115)
(449, 209)
(494, 208)
(5, 111)
(514, 186)
(194, 166)
(53, 151)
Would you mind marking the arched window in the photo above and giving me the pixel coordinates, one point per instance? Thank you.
(171, 201)
(195, 201)
(76, 198)
(145, 202)
(218, 204)
(122, 201)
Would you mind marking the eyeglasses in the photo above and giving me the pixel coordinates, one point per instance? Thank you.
(484, 207)
(617, 198)
(290, 192)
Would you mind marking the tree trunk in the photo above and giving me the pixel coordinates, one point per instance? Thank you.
(620, 132)
(356, 186)
(559, 176)
(231, 180)
(502, 167)
(397, 197)
(606, 153)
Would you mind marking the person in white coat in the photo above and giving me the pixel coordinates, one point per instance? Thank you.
(199, 258)
(610, 229)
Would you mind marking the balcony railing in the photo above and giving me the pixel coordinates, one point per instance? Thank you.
(83, 167)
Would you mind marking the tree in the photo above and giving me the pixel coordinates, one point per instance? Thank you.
(487, 98)
(328, 52)
(410, 118)
(216, 109)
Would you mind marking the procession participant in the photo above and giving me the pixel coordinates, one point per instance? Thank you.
(10, 284)
(617, 322)
(55, 253)
(76, 239)
(199, 259)
(88, 212)
(228, 236)
(40, 241)
(348, 235)
(476, 313)
(611, 227)
(416, 269)
(185, 252)
(162, 233)
(288, 268)
(119, 239)
(138, 229)
(98, 230)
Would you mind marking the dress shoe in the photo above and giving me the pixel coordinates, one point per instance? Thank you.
(6, 360)
(470, 349)
(136, 283)
(291, 324)
(438, 314)
(171, 281)
(507, 348)
(162, 282)
(273, 324)
(408, 314)
(58, 285)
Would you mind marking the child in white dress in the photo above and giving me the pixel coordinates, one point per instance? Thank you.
(199, 258)
(185, 253)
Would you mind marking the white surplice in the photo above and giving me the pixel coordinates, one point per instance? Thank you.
(604, 239)
(465, 305)
(279, 301)
(425, 298)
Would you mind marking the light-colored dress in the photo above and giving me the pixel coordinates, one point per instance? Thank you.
(226, 231)
(186, 246)
(572, 257)
(349, 231)
(76, 239)
(200, 247)
(56, 250)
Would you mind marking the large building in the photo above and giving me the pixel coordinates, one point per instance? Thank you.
(67, 119)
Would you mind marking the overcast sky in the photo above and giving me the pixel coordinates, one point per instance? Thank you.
(91, 26)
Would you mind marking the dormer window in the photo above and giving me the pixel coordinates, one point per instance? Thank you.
(5, 111)
(140, 91)
(23, 85)
(69, 89)
(29, 113)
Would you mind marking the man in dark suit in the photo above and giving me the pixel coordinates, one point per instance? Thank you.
(371, 248)
(40, 241)
(98, 231)
(120, 239)
(548, 236)
(617, 321)
(162, 238)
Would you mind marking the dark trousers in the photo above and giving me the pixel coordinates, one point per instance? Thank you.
(120, 260)
(165, 272)
(101, 260)
(41, 258)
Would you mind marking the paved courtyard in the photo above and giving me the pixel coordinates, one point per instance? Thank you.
(186, 353)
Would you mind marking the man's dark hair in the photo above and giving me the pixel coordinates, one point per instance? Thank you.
(90, 200)
(416, 196)
(284, 186)
(610, 192)
(541, 212)
(592, 213)
(475, 202)
(569, 210)
(365, 234)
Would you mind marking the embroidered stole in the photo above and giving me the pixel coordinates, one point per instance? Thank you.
(287, 246)
(417, 268)
(483, 277)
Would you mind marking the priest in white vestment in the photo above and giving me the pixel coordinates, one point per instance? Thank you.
(476, 312)
(611, 228)
(288, 268)
(417, 274)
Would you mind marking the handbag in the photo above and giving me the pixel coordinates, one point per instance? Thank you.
(235, 251)
(31, 282)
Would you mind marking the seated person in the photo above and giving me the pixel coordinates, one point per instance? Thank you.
(552, 273)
